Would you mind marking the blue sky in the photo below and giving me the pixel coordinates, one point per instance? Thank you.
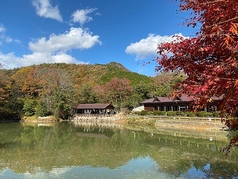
(88, 31)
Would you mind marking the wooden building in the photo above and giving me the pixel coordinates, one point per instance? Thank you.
(178, 103)
(91, 109)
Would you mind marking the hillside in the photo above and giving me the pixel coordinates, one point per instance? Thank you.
(96, 74)
(52, 89)
(117, 70)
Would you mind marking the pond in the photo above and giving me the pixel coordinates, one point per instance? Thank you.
(68, 150)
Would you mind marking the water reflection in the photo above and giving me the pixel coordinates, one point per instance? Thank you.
(68, 150)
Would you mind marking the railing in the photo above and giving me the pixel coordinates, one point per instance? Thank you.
(158, 117)
(95, 115)
(93, 118)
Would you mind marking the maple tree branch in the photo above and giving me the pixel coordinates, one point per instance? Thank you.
(213, 2)
(234, 18)
(230, 79)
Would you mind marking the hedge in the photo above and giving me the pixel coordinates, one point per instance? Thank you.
(179, 113)
(171, 113)
(159, 113)
(204, 114)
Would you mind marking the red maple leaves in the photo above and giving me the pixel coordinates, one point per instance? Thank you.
(210, 60)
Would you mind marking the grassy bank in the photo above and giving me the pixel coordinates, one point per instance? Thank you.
(35, 119)
(190, 123)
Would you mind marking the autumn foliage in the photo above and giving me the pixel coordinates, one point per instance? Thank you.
(52, 89)
(210, 59)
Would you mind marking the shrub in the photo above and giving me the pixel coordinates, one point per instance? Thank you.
(163, 113)
(216, 114)
(144, 112)
(190, 114)
(204, 114)
(201, 114)
(209, 114)
(180, 113)
(171, 113)
(159, 113)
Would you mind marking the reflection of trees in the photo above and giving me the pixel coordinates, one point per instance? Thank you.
(233, 136)
(221, 169)
(176, 155)
(64, 144)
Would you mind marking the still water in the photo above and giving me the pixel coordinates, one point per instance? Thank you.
(66, 150)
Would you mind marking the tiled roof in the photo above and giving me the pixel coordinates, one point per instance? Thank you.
(94, 106)
(157, 100)
(149, 100)
(182, 98)
(163, 99)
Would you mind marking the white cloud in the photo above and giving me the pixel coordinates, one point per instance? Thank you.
(45, 9)
(54, 173)
(10, 61)
(147, 47)
(53, 50)
(81, 16)
(4, 37)
(2, 28)
(39, 58)
(76, 38)
(9, 39)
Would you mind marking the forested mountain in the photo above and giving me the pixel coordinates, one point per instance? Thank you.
(52, 89)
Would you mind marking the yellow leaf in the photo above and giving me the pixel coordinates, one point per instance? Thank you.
(236, 83)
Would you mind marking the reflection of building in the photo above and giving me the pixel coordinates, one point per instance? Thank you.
(99, 125)
(90, 109)
(178, 103)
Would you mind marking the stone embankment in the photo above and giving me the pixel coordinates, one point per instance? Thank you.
(117, 118)
(92, 118)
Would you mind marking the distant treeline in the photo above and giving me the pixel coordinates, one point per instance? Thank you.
(52, 89)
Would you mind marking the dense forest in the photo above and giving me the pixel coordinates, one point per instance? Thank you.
(52, 89)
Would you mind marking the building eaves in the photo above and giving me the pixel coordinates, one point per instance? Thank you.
(93, 106)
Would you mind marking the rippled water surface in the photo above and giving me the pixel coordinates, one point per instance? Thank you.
(66, 150)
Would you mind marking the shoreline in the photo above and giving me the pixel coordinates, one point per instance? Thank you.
(47, 119)
(188, 123)
(206, 128)
(191, 123)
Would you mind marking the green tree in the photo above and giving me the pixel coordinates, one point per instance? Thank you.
(87, 94)
(41, 109)
(61, 105)
(29, 107)
(133, 101)
(143, 90)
